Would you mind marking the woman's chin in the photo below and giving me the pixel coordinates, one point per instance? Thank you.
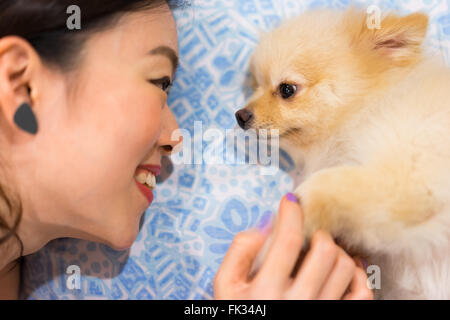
(122, 244)
(122, 236)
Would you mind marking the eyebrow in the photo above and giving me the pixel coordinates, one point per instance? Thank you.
(169, 53)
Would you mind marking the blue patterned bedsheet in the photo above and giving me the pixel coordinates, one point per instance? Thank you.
(199, 209)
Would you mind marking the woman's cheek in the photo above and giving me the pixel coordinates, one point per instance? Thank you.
(137, 121)
(149, 120)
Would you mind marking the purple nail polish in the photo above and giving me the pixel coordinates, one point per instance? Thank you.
(264, 223)
(291, 197)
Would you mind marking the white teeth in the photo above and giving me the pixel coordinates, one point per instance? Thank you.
(141, 177)
(148, 179)
(151, 180)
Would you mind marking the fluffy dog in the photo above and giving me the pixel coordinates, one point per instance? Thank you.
(366, 112)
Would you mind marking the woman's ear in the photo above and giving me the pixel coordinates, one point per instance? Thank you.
(18, 62)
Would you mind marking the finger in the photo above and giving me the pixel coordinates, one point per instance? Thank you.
(239, 258)
(358, 287)
(315, 268)
(285, 247)
(339, 279)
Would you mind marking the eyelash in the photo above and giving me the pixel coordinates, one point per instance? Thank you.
(164, 83)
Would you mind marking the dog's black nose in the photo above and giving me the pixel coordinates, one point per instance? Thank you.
(243, 117)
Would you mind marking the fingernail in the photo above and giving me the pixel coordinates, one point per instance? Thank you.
(291, 197)
(264, 225)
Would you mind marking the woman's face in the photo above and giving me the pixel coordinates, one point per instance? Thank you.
(96, 126)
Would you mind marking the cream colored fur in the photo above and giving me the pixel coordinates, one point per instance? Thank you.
(370, 129)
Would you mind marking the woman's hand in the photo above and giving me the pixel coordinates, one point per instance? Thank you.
(326, 272)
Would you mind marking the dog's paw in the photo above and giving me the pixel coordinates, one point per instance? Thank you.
(309, 199)
(321, 201)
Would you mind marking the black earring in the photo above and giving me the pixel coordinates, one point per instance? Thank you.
(25, 119)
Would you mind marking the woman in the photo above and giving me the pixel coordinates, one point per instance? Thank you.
(82, 111)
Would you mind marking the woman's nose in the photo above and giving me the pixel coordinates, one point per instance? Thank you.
(169, 126)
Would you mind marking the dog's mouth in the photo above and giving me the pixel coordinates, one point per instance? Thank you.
(291, 132)
(267, 132)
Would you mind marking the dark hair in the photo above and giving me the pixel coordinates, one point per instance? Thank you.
(43, 23)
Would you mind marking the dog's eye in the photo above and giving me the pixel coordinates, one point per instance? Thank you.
(287, 90)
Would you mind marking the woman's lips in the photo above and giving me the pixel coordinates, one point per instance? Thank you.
(146, 191)
(155, 169)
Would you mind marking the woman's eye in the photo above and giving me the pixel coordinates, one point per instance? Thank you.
(163, 83)
(287, 90)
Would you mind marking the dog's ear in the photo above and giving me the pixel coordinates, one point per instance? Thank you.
(397, 38)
